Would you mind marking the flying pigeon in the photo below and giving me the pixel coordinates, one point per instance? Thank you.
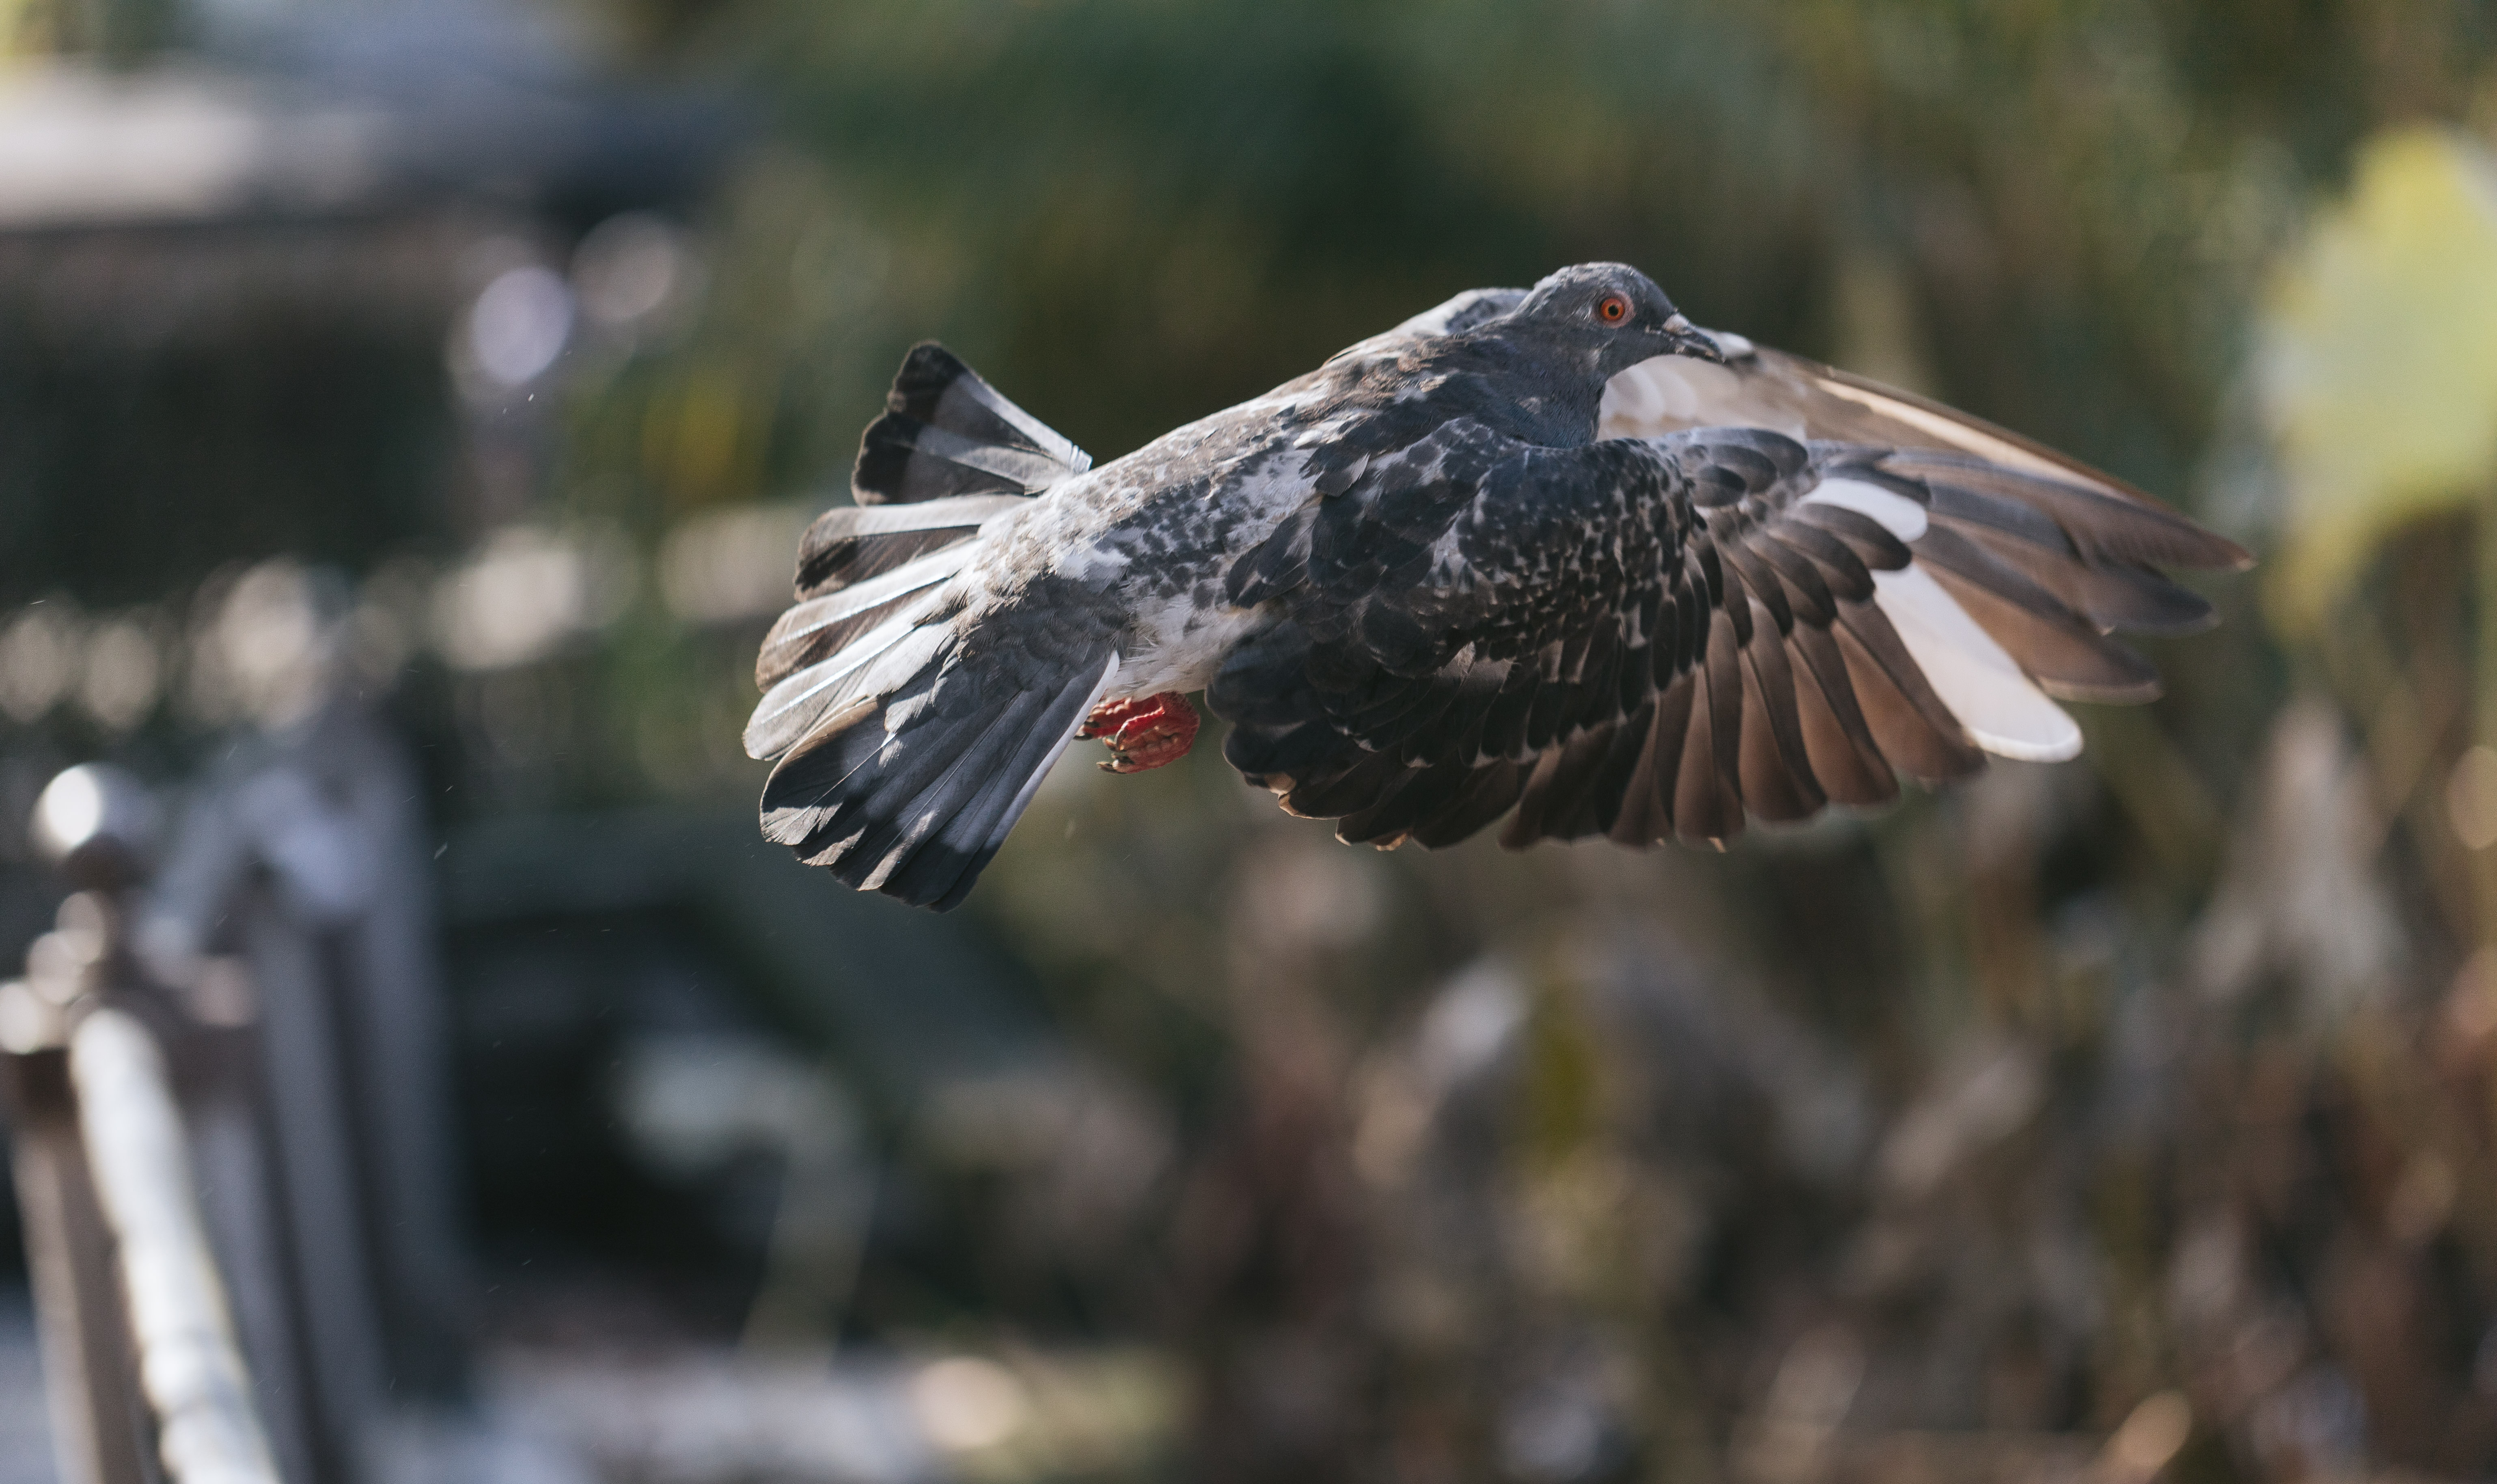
(1551, 554)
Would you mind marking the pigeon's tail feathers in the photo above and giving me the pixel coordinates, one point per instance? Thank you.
(865, 667)
(850, 543)
(902, 756)
(947, 433)
(843, 620)
(909, 788)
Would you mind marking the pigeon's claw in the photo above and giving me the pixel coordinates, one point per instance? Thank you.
(1143, 734)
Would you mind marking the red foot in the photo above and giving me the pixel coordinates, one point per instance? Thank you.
(1143, 734)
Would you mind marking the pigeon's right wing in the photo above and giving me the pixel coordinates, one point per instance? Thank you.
(1653, 638)
(1761, 387)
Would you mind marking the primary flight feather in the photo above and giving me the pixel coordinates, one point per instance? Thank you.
(1549, 554)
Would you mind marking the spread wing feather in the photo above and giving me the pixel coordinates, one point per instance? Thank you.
(1664, 635)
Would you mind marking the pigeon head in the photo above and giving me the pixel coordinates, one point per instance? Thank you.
(1614, 312)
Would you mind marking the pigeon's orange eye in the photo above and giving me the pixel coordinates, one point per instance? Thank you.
(1614, 309)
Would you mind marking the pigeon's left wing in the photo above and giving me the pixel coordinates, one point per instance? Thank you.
(1655, 637)
(1464, 312)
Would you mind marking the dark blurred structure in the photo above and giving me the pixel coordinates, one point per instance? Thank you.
(261, 251)
(2124, 1120)
(303, 856)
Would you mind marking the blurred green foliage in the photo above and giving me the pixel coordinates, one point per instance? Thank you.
(2062, 214)
(1132, 212)
(2381, 367)
(2119, 1030)
(2025, 1114)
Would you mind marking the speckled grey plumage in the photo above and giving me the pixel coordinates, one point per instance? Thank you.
(1420, 589)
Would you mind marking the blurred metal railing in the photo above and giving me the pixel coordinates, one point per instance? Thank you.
(227, 1094)
(144, 1371)
(190, 1366)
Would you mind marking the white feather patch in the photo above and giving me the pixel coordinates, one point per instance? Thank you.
(821, 686)
(1899, 514)
(1633, 405)
(1981, 685)
(844, 603)
(1184, 644)
(1671, 393)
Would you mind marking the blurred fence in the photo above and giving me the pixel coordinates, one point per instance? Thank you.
(146, 1372)
(222, 1121)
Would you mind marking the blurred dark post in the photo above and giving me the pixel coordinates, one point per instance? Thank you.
(303, 852)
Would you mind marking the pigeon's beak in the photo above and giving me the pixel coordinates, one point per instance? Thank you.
(1684, 338)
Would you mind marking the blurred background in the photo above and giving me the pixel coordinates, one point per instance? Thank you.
(408, 409)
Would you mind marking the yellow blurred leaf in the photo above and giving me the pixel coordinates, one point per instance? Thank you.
(2379, 373)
